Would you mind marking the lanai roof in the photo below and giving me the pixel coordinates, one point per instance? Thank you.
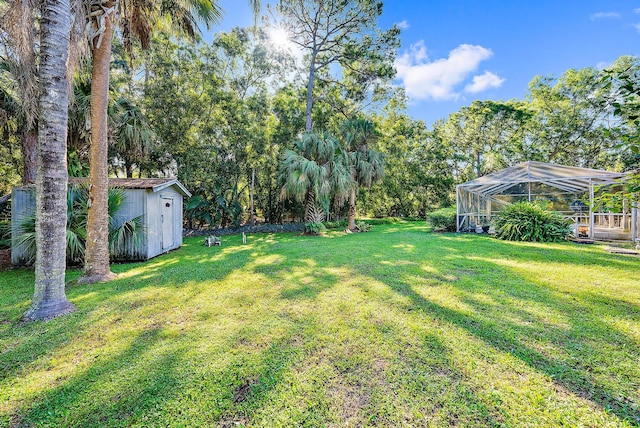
(568, 179)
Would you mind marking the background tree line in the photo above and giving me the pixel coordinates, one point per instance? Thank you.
(219, 115)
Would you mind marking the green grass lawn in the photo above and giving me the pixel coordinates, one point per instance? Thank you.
(396, 327)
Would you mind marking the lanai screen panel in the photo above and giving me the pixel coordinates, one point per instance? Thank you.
(555, 186)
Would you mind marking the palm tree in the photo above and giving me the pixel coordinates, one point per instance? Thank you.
(18, 67)
(366, 165)
(314, 170)
(49, 298)
(19, 38)
(136, 18)
(133, 135)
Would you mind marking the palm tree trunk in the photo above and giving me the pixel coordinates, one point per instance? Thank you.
(352, 210)
(309, 207)
(96, 268)
(49, 298)
(310, 210)
(29, 139)
(128, 167)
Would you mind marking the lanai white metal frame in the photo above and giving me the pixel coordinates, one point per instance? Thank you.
(474, 199)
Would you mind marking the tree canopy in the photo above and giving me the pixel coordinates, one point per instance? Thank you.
(220, 115)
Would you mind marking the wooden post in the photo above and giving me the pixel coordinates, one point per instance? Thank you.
(634, 223)
(457, 208)
(529, 177)
(591, 215)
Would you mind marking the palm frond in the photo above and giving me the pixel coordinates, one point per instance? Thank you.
(25, 242)
(76, 244)
(128, 234)
(19, 59)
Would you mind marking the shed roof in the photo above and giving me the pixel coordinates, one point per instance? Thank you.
(153, 184)
(569, 179)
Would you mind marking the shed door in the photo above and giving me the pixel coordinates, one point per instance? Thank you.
(167, 222)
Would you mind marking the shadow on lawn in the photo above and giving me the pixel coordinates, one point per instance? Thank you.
(250, 376)
(313, 274)
(26, 343)
(157, 383)
(155, 380)
(490, 323)
(101, 403)
(582, 340)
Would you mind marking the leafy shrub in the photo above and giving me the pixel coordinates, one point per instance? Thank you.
(443, 218)
(525, 221)
(314, 228)
(363, 226)
(340, 224)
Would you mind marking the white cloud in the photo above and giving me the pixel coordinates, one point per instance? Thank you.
(604, 15)
(438, 79)
(636, 10)
(483, 82)
(403, 25)
(637, 27)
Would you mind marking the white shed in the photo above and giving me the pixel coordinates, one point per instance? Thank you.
(158, 201)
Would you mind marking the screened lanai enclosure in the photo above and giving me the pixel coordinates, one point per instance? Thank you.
(566, 189)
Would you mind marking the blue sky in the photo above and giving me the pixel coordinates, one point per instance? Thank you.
(454, 52)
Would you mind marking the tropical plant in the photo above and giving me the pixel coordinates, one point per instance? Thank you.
(443, 218)
(366, 165)
(137, 20)
(79, 128)
(362, 226)
(313, 171)
(526, 221)
(314, 228)
(133, 135)
(19, 67)
(122, 234)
